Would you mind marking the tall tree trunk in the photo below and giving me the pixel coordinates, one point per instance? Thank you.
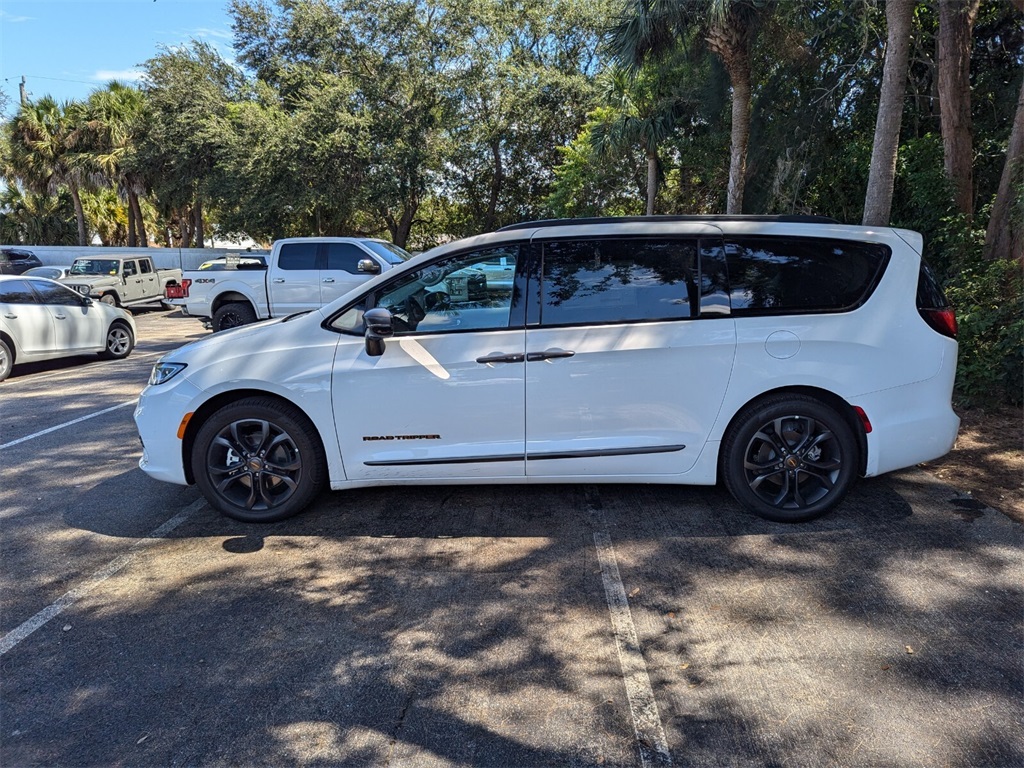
(132, 240)
(140, 224)
(956, 28)
(730, 40)
(652, 181)
(197, 213)
(1004, 238)
(878, 200)
(496, 183)
(76, 197)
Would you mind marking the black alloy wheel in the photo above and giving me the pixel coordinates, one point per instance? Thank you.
(258, 460)
(790, 459)
(233, 315)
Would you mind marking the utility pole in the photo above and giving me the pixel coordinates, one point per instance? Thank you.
(21, 91)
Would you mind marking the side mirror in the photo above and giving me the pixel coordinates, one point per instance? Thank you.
(379, 326)
(369, 266)
(86, 301)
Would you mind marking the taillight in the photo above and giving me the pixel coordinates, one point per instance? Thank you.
(941, 320)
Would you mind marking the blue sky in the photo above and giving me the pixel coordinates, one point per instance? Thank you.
(68, 48)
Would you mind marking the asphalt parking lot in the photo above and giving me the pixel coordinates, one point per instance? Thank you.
(498, 626)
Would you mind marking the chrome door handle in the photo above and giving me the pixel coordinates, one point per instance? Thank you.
(11, 316)
(551, 354)
(328, 279)
(500, 357)
(278, 279)
(61, 317)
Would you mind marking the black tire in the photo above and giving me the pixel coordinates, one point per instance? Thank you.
(789, 458)
(258, 460)
(6, 360)
(233, 315)
(109, 298)
(120, 341)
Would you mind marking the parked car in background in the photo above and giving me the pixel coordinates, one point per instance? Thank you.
(41, 319)
(243, 262)
(301, 273)
(50, 272)
(14, 261)
(122, 281)
(783, 355)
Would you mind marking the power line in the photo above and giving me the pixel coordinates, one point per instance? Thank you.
(58, 79)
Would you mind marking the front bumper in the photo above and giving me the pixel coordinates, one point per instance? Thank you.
(157, 416)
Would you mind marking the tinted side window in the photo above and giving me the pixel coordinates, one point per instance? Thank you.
(51, 293)
(447, 295)
(345, 257)
(145, 266)
(776, 275)
(16, 292)
(298, 256)
(129, 270)
(615, 281)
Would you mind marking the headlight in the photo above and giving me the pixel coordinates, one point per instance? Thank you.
(164, 372)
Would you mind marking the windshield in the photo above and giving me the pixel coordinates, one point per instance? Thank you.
(391, 253)
(94, 267)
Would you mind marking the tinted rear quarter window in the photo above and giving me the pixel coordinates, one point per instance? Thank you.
(780, 275)
(929, 294)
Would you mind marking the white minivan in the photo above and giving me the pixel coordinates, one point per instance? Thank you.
(784, 355)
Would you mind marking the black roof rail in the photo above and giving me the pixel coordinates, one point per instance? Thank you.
(785, 218)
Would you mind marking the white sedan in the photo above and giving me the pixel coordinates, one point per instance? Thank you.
(41, 319)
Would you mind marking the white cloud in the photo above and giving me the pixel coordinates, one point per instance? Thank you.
(124, 75)
(218, 34)
(11, 19)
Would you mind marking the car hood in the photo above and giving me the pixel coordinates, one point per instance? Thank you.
(211, 346)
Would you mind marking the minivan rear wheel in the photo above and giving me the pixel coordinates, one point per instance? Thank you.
(790, 458)
(258, 460)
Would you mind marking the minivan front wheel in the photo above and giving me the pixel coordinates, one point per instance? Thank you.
(789, 459)
(258, 460)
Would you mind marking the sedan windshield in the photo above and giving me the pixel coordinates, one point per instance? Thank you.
(94, 267)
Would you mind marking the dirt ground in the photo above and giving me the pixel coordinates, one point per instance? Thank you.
(988, 459)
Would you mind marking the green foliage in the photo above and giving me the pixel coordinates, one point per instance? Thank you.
(29, 218)
(989, 300)
(588, 185)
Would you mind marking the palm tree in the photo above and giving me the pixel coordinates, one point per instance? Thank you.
(652, 28)
(116, 115)
(638, 119)
(42, 155)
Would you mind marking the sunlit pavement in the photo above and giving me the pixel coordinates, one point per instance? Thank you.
(480, 625)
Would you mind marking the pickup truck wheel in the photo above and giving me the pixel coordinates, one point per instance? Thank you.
(120, 342)
(6, 360)
(233, 315)
(109, 298)
(789, 459)
(258, 460)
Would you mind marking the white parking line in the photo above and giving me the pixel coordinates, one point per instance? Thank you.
(67, 424)
(16, 635)
(650, 734)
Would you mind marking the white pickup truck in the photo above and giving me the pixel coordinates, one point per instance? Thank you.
(301, 273)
